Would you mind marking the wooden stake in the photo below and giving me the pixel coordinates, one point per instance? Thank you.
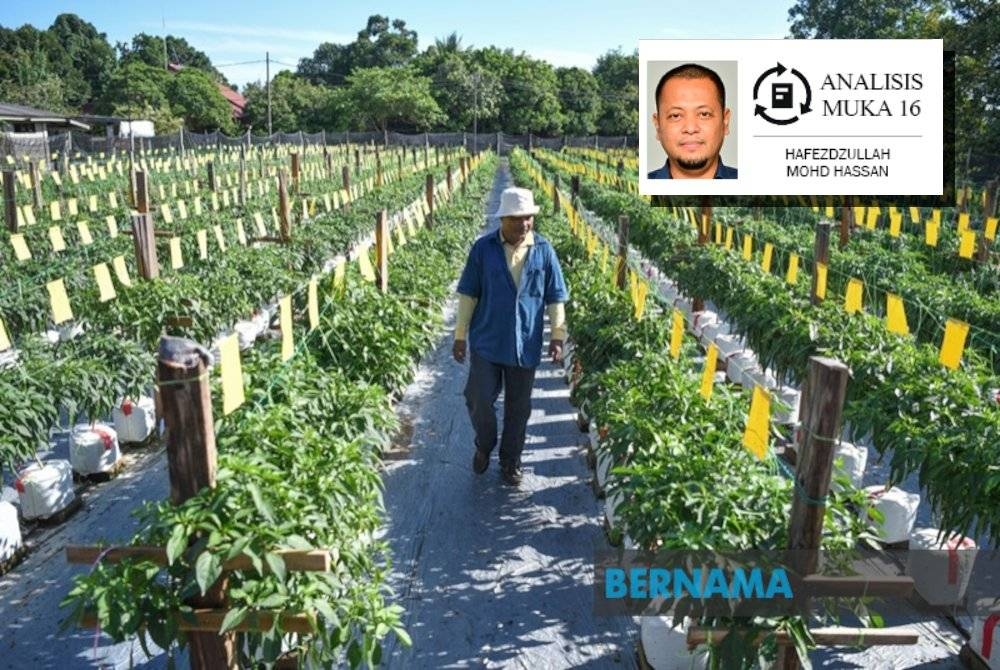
(357, 162)
(447, 174)
(36, 185)
(295, 173)
(345, 175)
(821, 254)
(382, 251)
(210, 166)
(243, 176)
(465, 173)
(555, 194)
(575, 186)
(284, 213)
(429, 192)
(827, 387)
(10, 200)
(704, 226)
(183, 367)
(143, 233)
(621, 280)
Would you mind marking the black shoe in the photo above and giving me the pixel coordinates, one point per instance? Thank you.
(511, 474)
(480, 462)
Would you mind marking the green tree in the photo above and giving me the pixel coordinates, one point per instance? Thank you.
(194, 96)
(461, 86)
(295, 105)
(28, 75)
(389, 98)
(580, 97)
(869, 19)
(88, 59)
(135, 86)
(617, 77)
(149, 49)
(530, 101)
(382, 43)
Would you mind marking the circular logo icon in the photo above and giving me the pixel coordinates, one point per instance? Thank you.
(787, 97)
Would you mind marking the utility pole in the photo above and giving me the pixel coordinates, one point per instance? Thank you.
(268, 76)
(166, 62)
(475, 118)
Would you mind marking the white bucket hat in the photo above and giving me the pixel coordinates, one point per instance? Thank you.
(517, 202)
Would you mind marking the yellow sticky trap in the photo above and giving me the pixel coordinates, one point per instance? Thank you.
(215, 202)
(241, 233)
(365, 264)
(113, 200)
(792, 275)
(641, 290)
(677, 335)
(219, 237)
(104, 285)
(112, 225)
(339, 273)
(758, 423)
(313, 304)
(953, 345)
(83, 229)
(259, 222)
(61, 310)
(166, 213)
(29, 215)
(853, 296)
(747, 247)
(21, 250)
(708, 374)
(4, 338)
(176, 257)
(232, 373)
(963, 222)
(991, 228)
(54, 211)
(895, 315)
(729, 238)
(931, 233)
(914, 215)
(829, 212)
(895, 223)
(873, 213)
(121, 270)
(605, 253)
(285, 319)
(400, 236)
(202, 236)
(197, 205)
(967, 244)
(56, 238)
(71, 206)
(936, 216)
(859, 216)
(821, 271)
(765, 262)
(718, 233)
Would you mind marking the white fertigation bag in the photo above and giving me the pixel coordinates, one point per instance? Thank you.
(247, 333)
(855, 459)
(665, 645)
(986, 638)
(611, 506)
(93, 450)
(45, 489)
(940, 566)
(739, 364)
(701, 320)
(605, 461)
(785, 409)
(10, 531)
(899, 509)
(134, 419)
(728, 345)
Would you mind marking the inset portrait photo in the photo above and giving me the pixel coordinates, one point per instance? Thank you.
(693, 120)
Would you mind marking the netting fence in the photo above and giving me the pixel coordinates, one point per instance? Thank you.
(41, 146)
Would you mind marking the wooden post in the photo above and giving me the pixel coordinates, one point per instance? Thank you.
(447, 174)
(345, 176)
(704, 228)
(36, 185)
(357, 161)
(143, 233)
(210, 166)
(186, 398)
(10, 200)
(621, 279)
(284, 213)
(328, 161)
(429, 192)
(382, 251)
(295, 173)
(574, 183)
(621, 168)
(463, 166)
(827, 387)
(846, 218)
(243, 176)
(821, 254)
(427, 161)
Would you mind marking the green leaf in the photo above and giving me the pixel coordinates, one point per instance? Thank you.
(233, 618)
(176, 544)
(258, 500)
(207, 570)
(277, 565)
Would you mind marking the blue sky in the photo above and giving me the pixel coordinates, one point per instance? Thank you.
(561, 32)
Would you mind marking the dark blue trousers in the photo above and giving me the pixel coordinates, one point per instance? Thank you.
(486, 379)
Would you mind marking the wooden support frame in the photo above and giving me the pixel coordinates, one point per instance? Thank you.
(206, 622)
(296, 560)
(10, 201)
(284, 209)
(143, 230)
(382, 251)
(429, 194)
(621, 279)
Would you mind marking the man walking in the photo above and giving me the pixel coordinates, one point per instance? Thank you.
(511, 276)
